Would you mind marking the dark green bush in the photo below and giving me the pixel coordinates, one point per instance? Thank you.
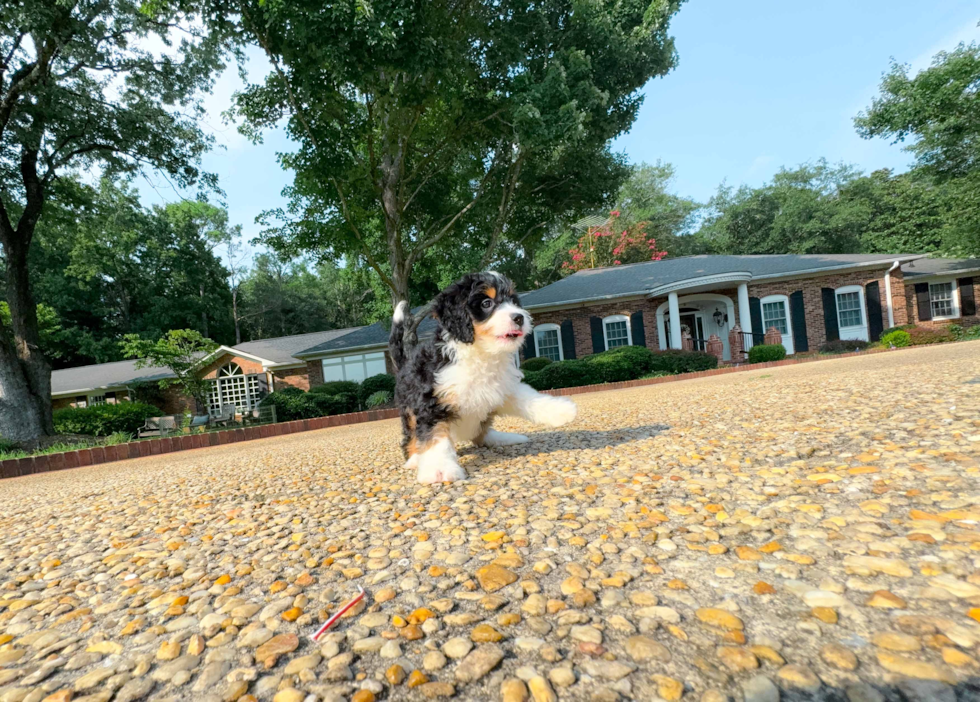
(292, 404)
(535, 364)
(897, 338)
(102, 420)
(622, 363)
(763, 353)
(567, 374)
(289, 390)
(376, 383)
(844, 346)
(533, 378)
(336, 387)
(676, 361)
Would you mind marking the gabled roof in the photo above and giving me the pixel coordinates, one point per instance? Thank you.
(648, 278)
(372, 336)
(83, 379)
(283, 349)
(940, 266)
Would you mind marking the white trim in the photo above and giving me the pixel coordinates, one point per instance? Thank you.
(234, 352)
(717, 279)
(848, 333)
(332, 353)
(957, 308)
(85, 391)
(549, 327)
(584, 302)
(769, 299)
(616, 318)
(687, 299)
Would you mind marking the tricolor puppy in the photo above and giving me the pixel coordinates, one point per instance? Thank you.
(451, 387)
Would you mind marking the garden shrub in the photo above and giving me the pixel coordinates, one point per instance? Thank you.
(326, 405)
(8, 446)
(567, 374)
(676, 361)
(376, 383)
(763, 353)
(377, 399)
(897, 338)
(292, 404)
(336, 387)
(923, 336)
(844, 346)
(103, 420)
(289, 390)
(901, 327)
(967, 334)
(533, 378)
(535, 364)
(622, 363)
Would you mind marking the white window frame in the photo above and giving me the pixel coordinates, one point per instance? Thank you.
(849, 333)
(955, 299)
(343, 361)
(541, 328)
(93, 400)
(616, 318)
(231, 382)
(769, 299)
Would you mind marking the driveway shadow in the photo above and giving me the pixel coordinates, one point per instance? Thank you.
(558, 440)
(909, 690)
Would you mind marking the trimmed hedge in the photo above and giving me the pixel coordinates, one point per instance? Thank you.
(622, 363)
(676, 361)
(375, 384)
(923, 336)
(764, 353)
(292, 403)
(336, 387)
(844, 346)
(566, 374)
(897, 338)
(535, 364)
(103, 420)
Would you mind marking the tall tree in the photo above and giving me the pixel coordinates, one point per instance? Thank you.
(78, 88)
(448, 125)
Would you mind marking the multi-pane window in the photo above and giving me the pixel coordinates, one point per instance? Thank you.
(356, 367)
(96, 400)
(941, 298)
(547, 339)
(233, 387)
(617, 331)
(774, 315)
(849, 309)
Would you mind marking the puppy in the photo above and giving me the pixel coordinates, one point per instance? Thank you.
(450, 387)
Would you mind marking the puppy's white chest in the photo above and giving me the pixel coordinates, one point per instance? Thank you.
(475, 385)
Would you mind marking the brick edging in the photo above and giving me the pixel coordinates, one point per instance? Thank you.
(16, 467)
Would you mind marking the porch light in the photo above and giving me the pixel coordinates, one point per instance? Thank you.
(719, 317)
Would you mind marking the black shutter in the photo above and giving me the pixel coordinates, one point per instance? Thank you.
(968, 300)
(923, 302)
(567, 340)
(598, 338)
(830, 314)
(530, 350)
(636, 327)
(755, 315)
(263, 385)
(872, 300)
(797, 315)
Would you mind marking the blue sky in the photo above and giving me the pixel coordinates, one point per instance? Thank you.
(759, 85)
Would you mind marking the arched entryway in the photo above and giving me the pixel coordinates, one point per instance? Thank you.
(701, 314)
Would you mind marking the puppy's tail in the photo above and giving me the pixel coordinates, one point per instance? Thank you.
(396, 343)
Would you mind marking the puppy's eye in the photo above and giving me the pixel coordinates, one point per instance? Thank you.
(487, 304)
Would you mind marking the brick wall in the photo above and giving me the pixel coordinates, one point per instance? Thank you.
(314, 372)
(582, 327)
(291, 377)
(912, 310)
(248, 366)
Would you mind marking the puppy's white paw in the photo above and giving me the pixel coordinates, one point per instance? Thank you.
(440, 472)
(413, 462)
(559, 411)
(499, 438)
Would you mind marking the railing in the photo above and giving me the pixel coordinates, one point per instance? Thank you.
(750, 339)
(699, 344)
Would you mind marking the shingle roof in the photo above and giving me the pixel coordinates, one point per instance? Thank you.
(939, 266)
(104, 375)
(283, 349)
(372, 335)
(641, 278)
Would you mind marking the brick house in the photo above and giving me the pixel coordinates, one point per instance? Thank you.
(810, 299)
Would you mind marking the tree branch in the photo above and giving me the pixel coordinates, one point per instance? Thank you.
(357, 233)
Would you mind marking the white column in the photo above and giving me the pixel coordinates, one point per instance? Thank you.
(744, 317)
(675, 320)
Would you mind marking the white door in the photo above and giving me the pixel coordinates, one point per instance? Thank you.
(775, 313)
(851, 322)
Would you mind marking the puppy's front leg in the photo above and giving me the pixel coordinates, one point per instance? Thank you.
(528, 403)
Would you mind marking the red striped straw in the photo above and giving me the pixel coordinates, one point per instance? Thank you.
(330, 622)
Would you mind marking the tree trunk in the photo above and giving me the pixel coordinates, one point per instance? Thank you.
(204, 315)
(234, 314)
(25, 376)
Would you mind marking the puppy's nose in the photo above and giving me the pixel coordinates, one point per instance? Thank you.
(518, 319)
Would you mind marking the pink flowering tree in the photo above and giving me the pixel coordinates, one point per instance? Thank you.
(613, 244)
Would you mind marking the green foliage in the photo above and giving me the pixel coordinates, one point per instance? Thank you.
(844, 346)
(674, 361)
(7, 446)
(923, 336)
(377, 399)
(104, 420)
(180, 351)
(897, 338)
(764, 353)
(535, 364)
(902, 327)
(566, 374)
(377, 383)
(49, 327)
(967, 334)
(622, 363)
(335, 387)
(292, 403)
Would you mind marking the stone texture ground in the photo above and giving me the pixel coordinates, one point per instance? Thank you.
(808, 532)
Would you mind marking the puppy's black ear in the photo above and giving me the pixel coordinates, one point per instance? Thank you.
(450, 308)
